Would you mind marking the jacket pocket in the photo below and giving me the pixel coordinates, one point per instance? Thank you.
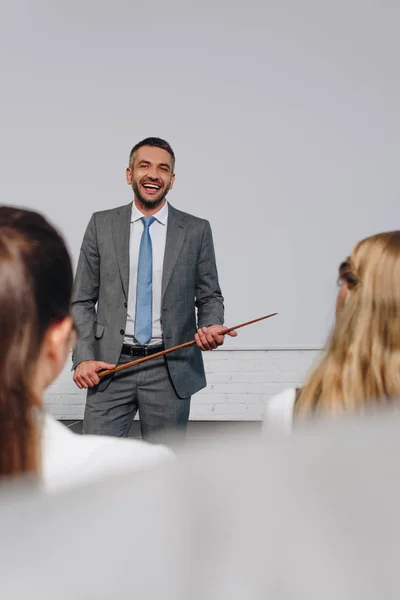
(98, 331)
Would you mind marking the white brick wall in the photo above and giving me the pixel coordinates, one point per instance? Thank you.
(239, 382)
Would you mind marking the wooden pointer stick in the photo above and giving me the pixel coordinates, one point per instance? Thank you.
(168, 350)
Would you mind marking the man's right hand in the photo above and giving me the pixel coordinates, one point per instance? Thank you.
(86, 373)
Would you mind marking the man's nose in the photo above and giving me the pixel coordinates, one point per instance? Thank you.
(152, 173)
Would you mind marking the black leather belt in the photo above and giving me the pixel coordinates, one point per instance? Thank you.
(141, 350)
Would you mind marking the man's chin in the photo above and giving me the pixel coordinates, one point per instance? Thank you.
(151, 203)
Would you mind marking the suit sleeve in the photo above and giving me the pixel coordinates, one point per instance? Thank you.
(85, 295)
(209, 301)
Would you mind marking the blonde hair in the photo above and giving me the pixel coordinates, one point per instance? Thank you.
(361, 363)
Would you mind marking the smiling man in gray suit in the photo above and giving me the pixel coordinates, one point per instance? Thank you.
(142, 271)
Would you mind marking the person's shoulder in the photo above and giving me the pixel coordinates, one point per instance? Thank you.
(186, 217)
(110, 212)
(120, 452)
(70, 459)
(278, 410)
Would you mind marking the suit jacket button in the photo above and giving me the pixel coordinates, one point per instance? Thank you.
(125, 304)
(122, 332)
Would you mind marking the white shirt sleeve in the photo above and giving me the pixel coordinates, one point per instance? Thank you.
(278, 412)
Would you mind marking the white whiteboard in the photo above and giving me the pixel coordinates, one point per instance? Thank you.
(284, 118)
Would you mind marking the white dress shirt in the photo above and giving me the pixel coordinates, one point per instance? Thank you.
(158, 235)
(71, 459)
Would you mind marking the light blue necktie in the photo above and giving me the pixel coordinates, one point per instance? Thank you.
(144, 288)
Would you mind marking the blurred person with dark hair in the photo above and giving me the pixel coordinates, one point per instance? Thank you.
(360, 367)
(37, 332)
(143, 270)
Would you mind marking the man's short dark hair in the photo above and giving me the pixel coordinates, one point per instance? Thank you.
(156, 143)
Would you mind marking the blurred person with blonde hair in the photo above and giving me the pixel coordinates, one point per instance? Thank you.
(37, 332)
(360, 367)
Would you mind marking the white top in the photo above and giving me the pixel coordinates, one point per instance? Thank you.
(278, 412)
(158, 235)
(69, 459)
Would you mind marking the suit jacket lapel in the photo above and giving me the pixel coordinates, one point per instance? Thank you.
(121, 228)
(176, 232)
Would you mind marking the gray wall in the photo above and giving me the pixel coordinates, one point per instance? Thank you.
(284, 117)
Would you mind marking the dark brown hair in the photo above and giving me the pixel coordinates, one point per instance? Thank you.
(154, 142)
(35, 292)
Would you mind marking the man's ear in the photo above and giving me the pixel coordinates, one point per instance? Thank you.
(56, 347)
(129, 176)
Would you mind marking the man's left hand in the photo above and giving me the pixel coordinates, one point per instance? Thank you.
(209, 338)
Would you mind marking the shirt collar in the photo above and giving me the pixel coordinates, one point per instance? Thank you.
(161, 216)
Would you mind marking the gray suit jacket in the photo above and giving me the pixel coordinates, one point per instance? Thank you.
(190, 280)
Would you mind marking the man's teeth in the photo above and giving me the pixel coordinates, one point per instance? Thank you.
(153, 187)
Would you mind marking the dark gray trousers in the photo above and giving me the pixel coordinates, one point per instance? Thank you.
(146, 388)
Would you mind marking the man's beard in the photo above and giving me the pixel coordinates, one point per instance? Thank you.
(149, 203)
